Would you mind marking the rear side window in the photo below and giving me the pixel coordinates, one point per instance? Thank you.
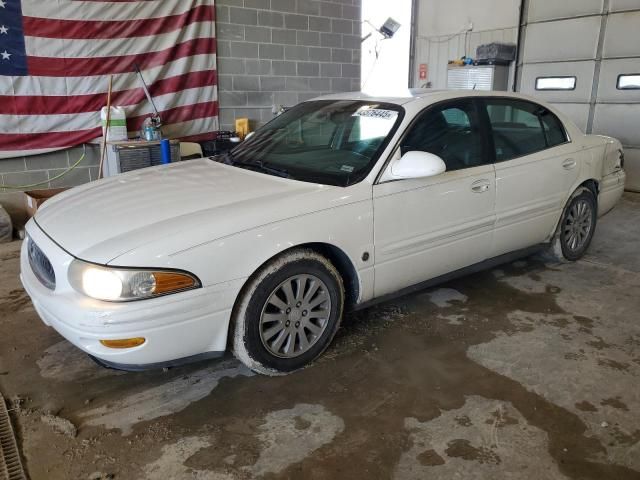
(450, 131)
(521, 128)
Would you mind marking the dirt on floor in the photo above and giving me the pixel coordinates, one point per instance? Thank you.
(530, 370)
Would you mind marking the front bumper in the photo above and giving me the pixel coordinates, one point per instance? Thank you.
(188, 324)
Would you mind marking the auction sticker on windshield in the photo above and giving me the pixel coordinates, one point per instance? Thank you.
(376, 113)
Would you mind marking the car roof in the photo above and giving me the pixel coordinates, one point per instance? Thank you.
(422, 95)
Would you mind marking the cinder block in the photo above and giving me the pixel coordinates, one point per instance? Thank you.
(288, 99)
(319, 24)
(296, 84)
(233, 3)
(303, 97)
(261, 4)
(355, 56)
(25, 180)
(272, 84)
(351, 12)
(330, 70)
(227, 117)
(222, 14)
(353, 42)
(260, 99)
(357, 27)
(340, 84)
(77, 176)
(297, 22)
(283, 5)
(281, 67)
(246, 83)
(230, 65)
(226, 31)
(320, 84)
(287, 37)
(257, 34)
(232, 99)
(243, 16)
(91, 153)
(270, 19)
(340, 55)
(16, 164)
(308, 69)
(309, 7)
(341, 26)
(225, 82)
(223, 48)
(296, 53)
(93, 173)
(308, 38)
(331, 40)
(350, 70)
(46, 161)
(270, 51)
(355, 85)
(258, 67)
(244, 50)
(320, 54)
(331, 10)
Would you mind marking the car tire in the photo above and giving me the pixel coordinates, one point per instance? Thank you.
(288, 313)
(576, 227)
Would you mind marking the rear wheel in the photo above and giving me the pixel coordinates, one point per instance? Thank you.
(577, 226)
(288, 313)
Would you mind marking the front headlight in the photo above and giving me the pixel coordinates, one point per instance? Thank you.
(126, 284)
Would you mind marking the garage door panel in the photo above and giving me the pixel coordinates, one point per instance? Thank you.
(619, 5)
(583, 71)
(618, 120)
(632, 168)
(622, 36)
(546, 10)
(607, 84)
(578, 112)
(565, 40)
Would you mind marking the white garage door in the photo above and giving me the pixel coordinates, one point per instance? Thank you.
(583, 56)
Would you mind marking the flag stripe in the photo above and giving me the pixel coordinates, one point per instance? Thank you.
(107, 11)
(22, 141)
(62, 86)
(80, 121)
(54, 47)
(51, 105)
(88, 29)
(64, 67)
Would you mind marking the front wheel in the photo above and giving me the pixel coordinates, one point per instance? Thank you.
(288, 313)
(577, 226)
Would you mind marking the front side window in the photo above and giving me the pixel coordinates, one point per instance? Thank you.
(522, 128)
(450, 131)
(334, 142)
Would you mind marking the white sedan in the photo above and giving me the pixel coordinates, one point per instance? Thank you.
(337, 203)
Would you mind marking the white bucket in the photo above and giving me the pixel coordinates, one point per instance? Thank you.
(117, 124)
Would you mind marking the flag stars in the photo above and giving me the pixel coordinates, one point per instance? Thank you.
(4, 30)
(3, 4)
(5, 55)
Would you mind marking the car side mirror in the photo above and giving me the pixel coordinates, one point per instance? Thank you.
(417, 164)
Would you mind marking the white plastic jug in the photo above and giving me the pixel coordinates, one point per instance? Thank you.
(117, 124)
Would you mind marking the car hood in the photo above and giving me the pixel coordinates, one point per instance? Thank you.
(182, 205)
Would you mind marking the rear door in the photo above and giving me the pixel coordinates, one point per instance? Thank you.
(536, 165)
(426, 227)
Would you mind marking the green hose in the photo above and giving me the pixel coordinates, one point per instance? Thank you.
(21, 187)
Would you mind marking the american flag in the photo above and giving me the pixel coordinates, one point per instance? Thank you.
(56, 57)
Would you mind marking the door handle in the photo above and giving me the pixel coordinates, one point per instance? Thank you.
(480, 186)
(569, 163)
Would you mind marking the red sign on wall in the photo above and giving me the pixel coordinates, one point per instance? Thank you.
(422, 71)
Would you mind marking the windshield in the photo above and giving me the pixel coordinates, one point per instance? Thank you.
(335, 142)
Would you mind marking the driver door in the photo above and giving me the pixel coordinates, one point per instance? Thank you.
(427, 227)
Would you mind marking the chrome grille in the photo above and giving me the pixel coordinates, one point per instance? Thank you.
(41, 265)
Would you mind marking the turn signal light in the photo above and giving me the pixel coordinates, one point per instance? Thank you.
(167, 282)
(123, 343)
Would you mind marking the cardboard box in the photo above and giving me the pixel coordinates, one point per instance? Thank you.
(35, 198)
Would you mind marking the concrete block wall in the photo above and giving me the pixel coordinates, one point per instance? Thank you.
(42, 169)
(282, 52)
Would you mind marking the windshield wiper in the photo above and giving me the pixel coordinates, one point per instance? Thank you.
(258, 165)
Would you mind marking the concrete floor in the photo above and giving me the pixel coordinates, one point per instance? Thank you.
(530, 370)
